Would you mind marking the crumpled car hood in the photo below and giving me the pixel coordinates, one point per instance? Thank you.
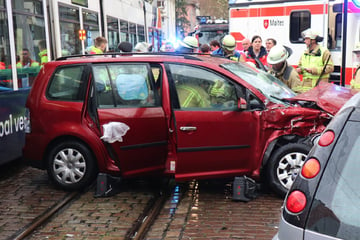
(329, 97)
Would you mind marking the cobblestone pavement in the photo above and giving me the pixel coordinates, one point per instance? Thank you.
(207, 211)
(195, 210)
(97, 218)
(24, 194)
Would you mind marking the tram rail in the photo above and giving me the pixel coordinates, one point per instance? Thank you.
(42, 218)
(37, 206)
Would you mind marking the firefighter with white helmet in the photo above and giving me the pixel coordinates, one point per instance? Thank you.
(228, 45)
(355, 82)
(315, 63)
(188, 45)
(279, 67)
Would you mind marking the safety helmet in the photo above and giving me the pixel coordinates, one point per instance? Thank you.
(229, 43)
(309, 33)
(142, 47)
(277, 55)
(189, 42)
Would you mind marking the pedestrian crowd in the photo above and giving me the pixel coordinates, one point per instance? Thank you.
(314, 65)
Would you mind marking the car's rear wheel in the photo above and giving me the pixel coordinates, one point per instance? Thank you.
(285, 165)
(71, 165)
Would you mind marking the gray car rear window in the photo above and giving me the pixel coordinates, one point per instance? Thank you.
(336, 209)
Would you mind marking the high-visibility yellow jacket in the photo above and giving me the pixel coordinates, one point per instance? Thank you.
(95, 50)
(355, 82)
(192, 96)
(32, 63)
(43, 57)
(316, 60)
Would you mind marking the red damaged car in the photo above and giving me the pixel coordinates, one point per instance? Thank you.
(190, 117)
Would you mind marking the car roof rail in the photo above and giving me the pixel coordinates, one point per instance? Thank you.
(191, 56)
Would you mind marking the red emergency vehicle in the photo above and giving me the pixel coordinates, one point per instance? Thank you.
(338, 21)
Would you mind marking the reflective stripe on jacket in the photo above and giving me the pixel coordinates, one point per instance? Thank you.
(192, 96)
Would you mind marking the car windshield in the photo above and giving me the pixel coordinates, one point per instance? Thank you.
(270, 86)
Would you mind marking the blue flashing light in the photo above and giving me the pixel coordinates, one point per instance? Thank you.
(357, 3)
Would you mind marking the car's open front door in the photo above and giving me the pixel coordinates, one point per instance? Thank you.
(128, 99)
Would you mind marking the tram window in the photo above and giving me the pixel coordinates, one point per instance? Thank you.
(124, 31)
(91, 26)
(132, 30)
(141, 33)
(113, 33)
(69, 24)
(32, 7)
(299, 21)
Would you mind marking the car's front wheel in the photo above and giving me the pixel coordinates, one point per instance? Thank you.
(285, 165)
(71, 165)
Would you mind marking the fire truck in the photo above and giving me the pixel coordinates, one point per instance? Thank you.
(338, 21)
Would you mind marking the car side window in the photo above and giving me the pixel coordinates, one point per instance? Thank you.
(200, 89)
(125, 85)
(66, 84)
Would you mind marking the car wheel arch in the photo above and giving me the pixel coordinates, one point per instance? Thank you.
(67, 138)
(284, 165)
(279, 142)
(84, 165)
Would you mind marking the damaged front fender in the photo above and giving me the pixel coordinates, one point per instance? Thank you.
(295, 120)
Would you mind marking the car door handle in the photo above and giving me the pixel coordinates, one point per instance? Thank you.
(187, 129)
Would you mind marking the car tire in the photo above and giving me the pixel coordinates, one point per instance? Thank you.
(71, 166)
(284, 166)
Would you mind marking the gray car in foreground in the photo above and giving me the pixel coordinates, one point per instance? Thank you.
(324, 201)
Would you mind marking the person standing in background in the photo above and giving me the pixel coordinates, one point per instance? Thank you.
(188, 45)
(245, 44)
(142, 47)
(269, 43)
(99, 46)
(43, 52)
(315, 63)
(125, 47)
(279, 67)
(256, 54)
(214, 45)
(228, 45)
(26, 60)
(355, 82)
(205, 48)
(167, 47)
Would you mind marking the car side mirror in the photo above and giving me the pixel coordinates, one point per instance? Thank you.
(242, 104)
